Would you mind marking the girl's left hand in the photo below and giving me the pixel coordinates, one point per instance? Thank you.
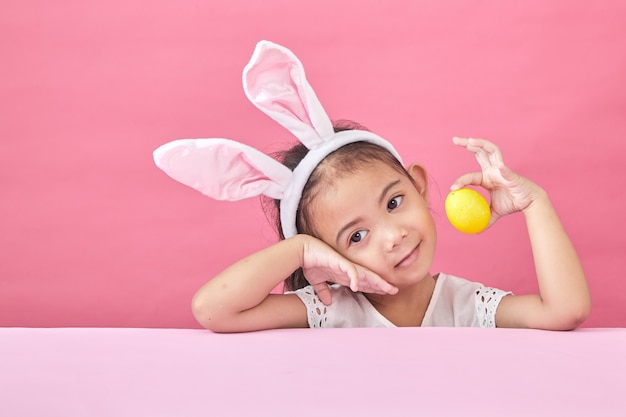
(508, 191)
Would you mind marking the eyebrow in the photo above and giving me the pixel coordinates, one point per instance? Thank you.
(383, 194)
(386, 190)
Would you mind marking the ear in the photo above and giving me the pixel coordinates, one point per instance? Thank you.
(420, 178)
(223, 169)
(274, 81)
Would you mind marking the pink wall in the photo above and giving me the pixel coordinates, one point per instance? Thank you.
(93, 234)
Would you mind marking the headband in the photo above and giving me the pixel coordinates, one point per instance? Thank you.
(223, 169)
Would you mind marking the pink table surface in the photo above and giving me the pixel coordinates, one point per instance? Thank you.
(348, 372)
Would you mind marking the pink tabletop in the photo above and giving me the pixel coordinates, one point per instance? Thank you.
(348, 372)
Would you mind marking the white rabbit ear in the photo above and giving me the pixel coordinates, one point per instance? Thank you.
(223, 169)
(274, 81)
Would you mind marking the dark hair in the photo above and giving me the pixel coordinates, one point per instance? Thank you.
(345, 160)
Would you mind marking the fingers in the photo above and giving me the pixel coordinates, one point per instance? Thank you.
(474, 144)
(359, 280)
(473, 178)
(322, 264)
(323, 292)
(368, 281)
(363, 280)
(487, 153)
(353, 275)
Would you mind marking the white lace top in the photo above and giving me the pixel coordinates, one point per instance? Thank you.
(455, 302)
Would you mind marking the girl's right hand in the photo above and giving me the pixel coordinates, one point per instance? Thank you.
(322, 264)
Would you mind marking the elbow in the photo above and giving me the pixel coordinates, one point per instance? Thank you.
(202, 311)
(214, 313)
(574, 316)
(581, 314)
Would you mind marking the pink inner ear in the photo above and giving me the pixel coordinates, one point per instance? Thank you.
(224, 172)
(275, 83)
(240, 178)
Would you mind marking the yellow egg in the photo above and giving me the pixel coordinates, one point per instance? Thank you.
(467, 210)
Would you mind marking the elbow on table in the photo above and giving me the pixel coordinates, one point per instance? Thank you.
(581, 314)
(573, 316)
(203, 311)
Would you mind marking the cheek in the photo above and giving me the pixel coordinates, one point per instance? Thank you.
(367, 257)
(428, 220)
(424, 216)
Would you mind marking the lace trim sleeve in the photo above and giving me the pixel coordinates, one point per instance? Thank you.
(316, 311)
(486, 302)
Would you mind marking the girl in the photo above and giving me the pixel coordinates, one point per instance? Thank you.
(357, 238)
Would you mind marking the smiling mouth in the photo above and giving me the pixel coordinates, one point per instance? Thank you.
(409, 259)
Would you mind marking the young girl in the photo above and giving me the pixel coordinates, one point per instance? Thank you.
(357, 237)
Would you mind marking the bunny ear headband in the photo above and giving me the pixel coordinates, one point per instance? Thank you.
(224, 169)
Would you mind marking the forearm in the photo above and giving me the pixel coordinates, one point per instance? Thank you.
(562, 284)
(248, 282)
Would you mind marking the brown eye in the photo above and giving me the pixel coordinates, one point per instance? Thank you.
(358, 236)
(394, 203)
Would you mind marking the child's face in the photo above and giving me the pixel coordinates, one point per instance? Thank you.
(379, 219)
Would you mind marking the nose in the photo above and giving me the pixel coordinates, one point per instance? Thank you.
(393, 234)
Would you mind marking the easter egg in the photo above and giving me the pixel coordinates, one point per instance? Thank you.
(467, 210)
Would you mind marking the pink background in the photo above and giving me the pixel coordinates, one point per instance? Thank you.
(93, 234)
